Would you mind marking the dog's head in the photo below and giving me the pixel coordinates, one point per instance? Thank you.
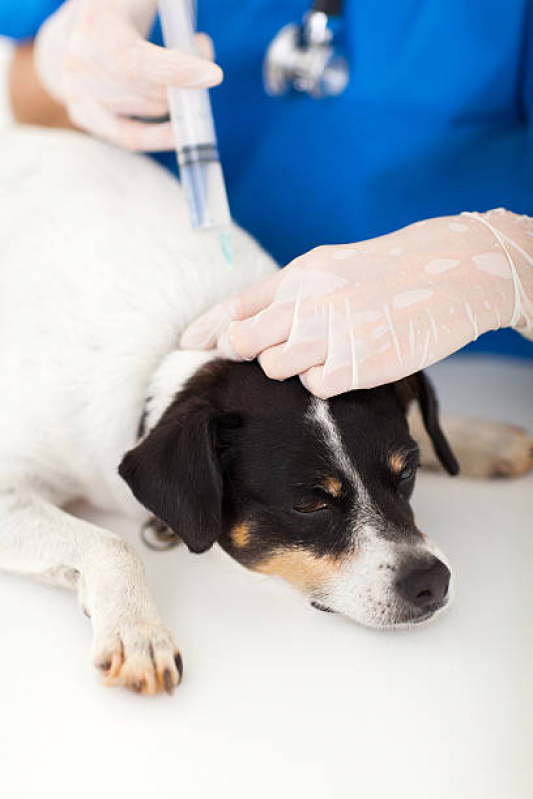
(314, 491)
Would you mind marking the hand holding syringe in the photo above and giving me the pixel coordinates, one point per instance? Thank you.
(93, 57)
(196, 143)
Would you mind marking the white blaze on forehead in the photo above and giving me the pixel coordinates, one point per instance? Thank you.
(319, 413)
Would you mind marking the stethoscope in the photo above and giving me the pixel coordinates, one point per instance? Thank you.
(303, 57)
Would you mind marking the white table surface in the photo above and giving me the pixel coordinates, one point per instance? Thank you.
(279, 700)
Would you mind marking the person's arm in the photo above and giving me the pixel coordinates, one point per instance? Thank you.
(90, 67)
(30, 102)
(92, 56)
(364, 314)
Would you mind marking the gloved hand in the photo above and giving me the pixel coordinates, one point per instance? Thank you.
(360, 315)
(91, 56)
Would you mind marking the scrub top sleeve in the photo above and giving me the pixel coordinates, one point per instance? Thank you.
(21, 20)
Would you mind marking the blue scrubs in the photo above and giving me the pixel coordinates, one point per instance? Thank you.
(436, 119)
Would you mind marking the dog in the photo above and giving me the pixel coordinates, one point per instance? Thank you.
(100, 273)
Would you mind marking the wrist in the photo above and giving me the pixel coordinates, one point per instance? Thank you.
(514, 234)
(30, 103)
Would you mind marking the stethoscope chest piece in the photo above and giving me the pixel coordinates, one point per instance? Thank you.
(303, 58)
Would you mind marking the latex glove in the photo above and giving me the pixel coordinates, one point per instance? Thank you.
(91, 55)
(360, 315)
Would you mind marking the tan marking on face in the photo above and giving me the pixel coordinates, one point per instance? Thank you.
(396, 462)
(300, 568)
(333, 486)
(240, 535)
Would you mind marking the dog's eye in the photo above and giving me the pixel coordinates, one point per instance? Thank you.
(406, 481)
(311, 507)
(407, 474)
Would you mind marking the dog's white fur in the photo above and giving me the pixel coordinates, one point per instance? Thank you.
(99, 274)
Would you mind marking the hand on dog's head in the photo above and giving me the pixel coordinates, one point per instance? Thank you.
(314, 491)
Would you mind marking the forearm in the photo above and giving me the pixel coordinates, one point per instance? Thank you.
(30, 103)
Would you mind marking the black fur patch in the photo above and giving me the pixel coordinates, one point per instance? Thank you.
(235, 446)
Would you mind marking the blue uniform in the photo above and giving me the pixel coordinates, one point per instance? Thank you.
(437, 118)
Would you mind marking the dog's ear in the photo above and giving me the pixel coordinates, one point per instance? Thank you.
(418, 387)
(175, 472)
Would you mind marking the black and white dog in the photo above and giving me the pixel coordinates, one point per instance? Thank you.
(99, 275)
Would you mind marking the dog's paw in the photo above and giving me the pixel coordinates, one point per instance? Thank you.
(494, 449)
(141, 656)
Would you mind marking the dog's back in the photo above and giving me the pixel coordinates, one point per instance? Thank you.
(99, 274)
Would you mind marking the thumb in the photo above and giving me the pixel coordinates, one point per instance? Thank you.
(172, 67)
(204, 45)
(205, 331)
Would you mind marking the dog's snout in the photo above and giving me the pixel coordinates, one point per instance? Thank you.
(425, 585)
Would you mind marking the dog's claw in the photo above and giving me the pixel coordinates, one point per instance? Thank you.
(115, 666)
(169, 685)
(142, 657)
(179, 665)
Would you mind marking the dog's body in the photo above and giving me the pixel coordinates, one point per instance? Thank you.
(84, 324)
(89, 325)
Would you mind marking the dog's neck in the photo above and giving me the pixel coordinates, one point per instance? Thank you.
(168, 379)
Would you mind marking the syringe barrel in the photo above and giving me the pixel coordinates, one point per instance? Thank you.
(194, 131)
(204, 188)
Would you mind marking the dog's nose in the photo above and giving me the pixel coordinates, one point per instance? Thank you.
(425, 585)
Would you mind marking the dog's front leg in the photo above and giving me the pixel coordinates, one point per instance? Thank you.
(484, 449)
(132, 647)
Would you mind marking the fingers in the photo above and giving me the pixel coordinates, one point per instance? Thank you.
(204, 46)
(205, 331)
(146, 61)
(301, 319)
(248, 338)
(98, 65)
(127, 133)
(107, 40)
(256, 298)
(99, 101)
(125, 102)
(324, 381)
(322, 387)
(283, 361)
(209, 328)
(239, 340)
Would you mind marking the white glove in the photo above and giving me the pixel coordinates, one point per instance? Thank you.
(360, 315)
(91, 55)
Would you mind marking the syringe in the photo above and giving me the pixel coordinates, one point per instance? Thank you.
(194, 132)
